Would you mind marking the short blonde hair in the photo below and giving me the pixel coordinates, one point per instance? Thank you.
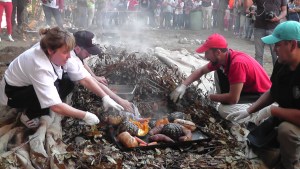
(54, 38)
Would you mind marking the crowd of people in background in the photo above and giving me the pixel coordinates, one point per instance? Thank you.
(228, 15)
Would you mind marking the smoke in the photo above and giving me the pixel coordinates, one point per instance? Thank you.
(129, 35)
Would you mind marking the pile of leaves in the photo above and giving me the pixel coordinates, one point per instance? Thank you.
(92, 147)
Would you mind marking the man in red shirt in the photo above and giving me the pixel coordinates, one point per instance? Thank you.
(239, 78)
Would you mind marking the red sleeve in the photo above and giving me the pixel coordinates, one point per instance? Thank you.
(237, 73)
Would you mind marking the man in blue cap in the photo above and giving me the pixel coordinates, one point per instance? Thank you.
(285, 91)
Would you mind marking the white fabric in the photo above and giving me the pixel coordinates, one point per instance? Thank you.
(178, 93)
(108, 102)
(34, 68)
(257, 117)
(91, 119)
(235, 116)
(5, 1)
(186, 64)
(225, 110)
(261, 116)
(52, 4)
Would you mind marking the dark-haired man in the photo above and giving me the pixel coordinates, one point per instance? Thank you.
(83, 49)
(239, 78)
(268, 16)
(285, 91)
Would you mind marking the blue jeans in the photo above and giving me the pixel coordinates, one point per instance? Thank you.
(259, 45)
(56, 14)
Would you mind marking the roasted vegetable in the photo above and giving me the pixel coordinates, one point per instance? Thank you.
(172, 130)
(129, 127)
(127, 140)
(156, 130)
(152, 143)
(176, 115)
(140, 140)
(112, 117)
(143, 127)
(187, 124)
(152, 123)
(187, 135)
(161, 137)
(162, 121)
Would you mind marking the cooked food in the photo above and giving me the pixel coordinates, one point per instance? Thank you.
(161, 137)
(172, 130)
(187, 124)
(127, 140)
(156, 130)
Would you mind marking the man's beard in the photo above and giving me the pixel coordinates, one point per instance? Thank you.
(214, 63)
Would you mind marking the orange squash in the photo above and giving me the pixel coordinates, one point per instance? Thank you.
(143, 127)
(162, 121)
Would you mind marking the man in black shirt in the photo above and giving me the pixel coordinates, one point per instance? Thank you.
(285, 91)
(268, 16)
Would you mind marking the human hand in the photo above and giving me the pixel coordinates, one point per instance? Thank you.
(30, 123)
(90, 118)
(178, 93)
(102, 80)
(126, 105)
(262, 115)
(275, 19)
(108, 102)
(236, 116)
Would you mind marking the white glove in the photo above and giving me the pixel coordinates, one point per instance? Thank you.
(178, 93)
(236, 116)
(108, 102)
(90, 118)
(262, 115)
(33, 123)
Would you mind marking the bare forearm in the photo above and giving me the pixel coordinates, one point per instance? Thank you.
(89, 70)
(91, 84)
(225, 98)
(296, 9)
(290, 115)
(282, 14)
(66, 110)
(110, 93)
(193, 77)
(263, 101)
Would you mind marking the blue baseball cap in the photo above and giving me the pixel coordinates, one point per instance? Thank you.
(289, 30)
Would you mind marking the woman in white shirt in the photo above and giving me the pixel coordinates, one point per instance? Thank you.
(38, 80)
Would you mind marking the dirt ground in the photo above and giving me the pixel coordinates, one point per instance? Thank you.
(136, 40)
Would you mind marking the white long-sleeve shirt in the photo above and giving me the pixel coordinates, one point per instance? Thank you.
(33, 67)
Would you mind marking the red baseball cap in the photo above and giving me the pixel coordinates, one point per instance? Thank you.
(213, 41)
